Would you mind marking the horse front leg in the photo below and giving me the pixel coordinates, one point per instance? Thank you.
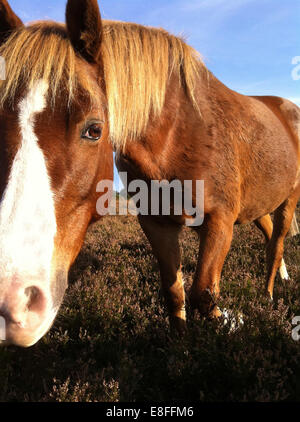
(215, 236)
(164, 239)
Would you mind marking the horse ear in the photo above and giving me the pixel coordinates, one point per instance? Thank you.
(84, 27)
(8, 20)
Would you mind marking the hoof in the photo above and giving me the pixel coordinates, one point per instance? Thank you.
(205, 303)
(269, 296)
(177, 325)
(216, 312)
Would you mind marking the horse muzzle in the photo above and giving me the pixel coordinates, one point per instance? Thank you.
(26, 314)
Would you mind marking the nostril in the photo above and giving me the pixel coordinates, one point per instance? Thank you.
(8, 318)
(3, 313)
(35, 298)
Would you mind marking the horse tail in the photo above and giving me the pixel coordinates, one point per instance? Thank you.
(294, 229)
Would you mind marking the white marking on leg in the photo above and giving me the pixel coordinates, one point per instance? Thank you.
(182, 312)
(283, 271)
(27, 211)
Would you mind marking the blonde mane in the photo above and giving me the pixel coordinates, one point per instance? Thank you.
(138, 62)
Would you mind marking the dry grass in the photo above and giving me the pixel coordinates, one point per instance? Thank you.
(111, 340)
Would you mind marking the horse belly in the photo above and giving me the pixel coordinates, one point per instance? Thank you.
(271, 176)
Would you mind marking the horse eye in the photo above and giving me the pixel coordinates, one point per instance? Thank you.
(92, 133)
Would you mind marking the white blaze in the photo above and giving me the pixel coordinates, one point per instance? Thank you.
(27, 212)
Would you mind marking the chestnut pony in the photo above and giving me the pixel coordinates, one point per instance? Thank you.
(73, 93)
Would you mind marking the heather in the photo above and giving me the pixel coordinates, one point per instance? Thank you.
(111, 339)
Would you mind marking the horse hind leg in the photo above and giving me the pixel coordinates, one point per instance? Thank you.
(283, 217)
(265, 225)
(294, 229)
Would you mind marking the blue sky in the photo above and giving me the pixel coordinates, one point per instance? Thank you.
(248, 44)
